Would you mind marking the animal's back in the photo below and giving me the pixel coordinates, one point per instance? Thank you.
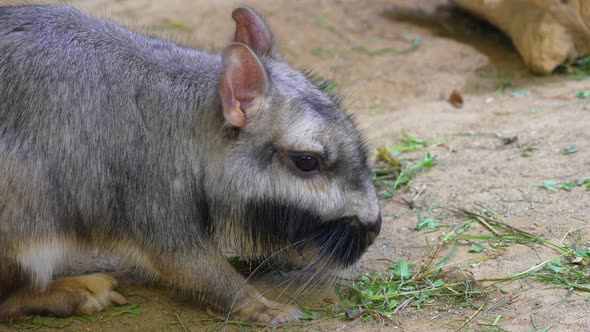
(53, 67)
(72, 83)
(84, 106)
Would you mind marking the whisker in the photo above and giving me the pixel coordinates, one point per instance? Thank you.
(303, 241)
(321, 270)
(301, 275)
(307, 268)
(270, 289)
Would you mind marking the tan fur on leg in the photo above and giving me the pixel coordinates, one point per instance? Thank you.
(68, 296)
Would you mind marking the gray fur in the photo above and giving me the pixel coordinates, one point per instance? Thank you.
(113, 140)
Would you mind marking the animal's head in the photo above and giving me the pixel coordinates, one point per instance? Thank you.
(295, 172)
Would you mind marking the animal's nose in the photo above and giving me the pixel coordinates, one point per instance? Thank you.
(373, 229)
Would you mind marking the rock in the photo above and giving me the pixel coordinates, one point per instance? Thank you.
(545, 32)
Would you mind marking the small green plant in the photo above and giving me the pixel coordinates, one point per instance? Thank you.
(380, 295)
(549, 185)
(570, 149)
(552, 186)
(129, 309)
(332, 86)
(321, 21)
(584, 182)
(410, 143)
(578, 68)
(321, 53)
(389, 180)
(527, 150)
(393, 172)
(428, 222)
(506, 82)
(572, 274)
(383, 294)
(477, 247)
(568, 186)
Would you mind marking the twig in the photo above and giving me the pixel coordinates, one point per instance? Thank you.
(486, 225)
(470, 318)
(413, 200)
(525, 273)
(402, 200)
(512, 228)
(501, 223)
(181, 323)
(568, 232)
(424, 274)
(401, 306)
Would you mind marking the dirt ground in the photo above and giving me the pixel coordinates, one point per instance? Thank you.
(391, 92)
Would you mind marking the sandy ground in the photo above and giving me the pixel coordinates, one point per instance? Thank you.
(391, 93)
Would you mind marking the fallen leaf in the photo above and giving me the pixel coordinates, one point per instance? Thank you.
(570, 149)
(456, 99)
(477, 247)
(520, 93)
(568, 186)
(549, 185)
(384, 155)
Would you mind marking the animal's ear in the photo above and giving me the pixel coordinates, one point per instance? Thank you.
(252, 31)
(243, 83)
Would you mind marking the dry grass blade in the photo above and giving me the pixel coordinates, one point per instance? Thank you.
(470, 318)
(510, 227)
(180, 321)
(486, 225)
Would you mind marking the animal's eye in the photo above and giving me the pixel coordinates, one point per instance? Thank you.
(305, 163)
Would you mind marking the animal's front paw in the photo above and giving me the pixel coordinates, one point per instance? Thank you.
(266, 311)
(68, 296)
(96, 291)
